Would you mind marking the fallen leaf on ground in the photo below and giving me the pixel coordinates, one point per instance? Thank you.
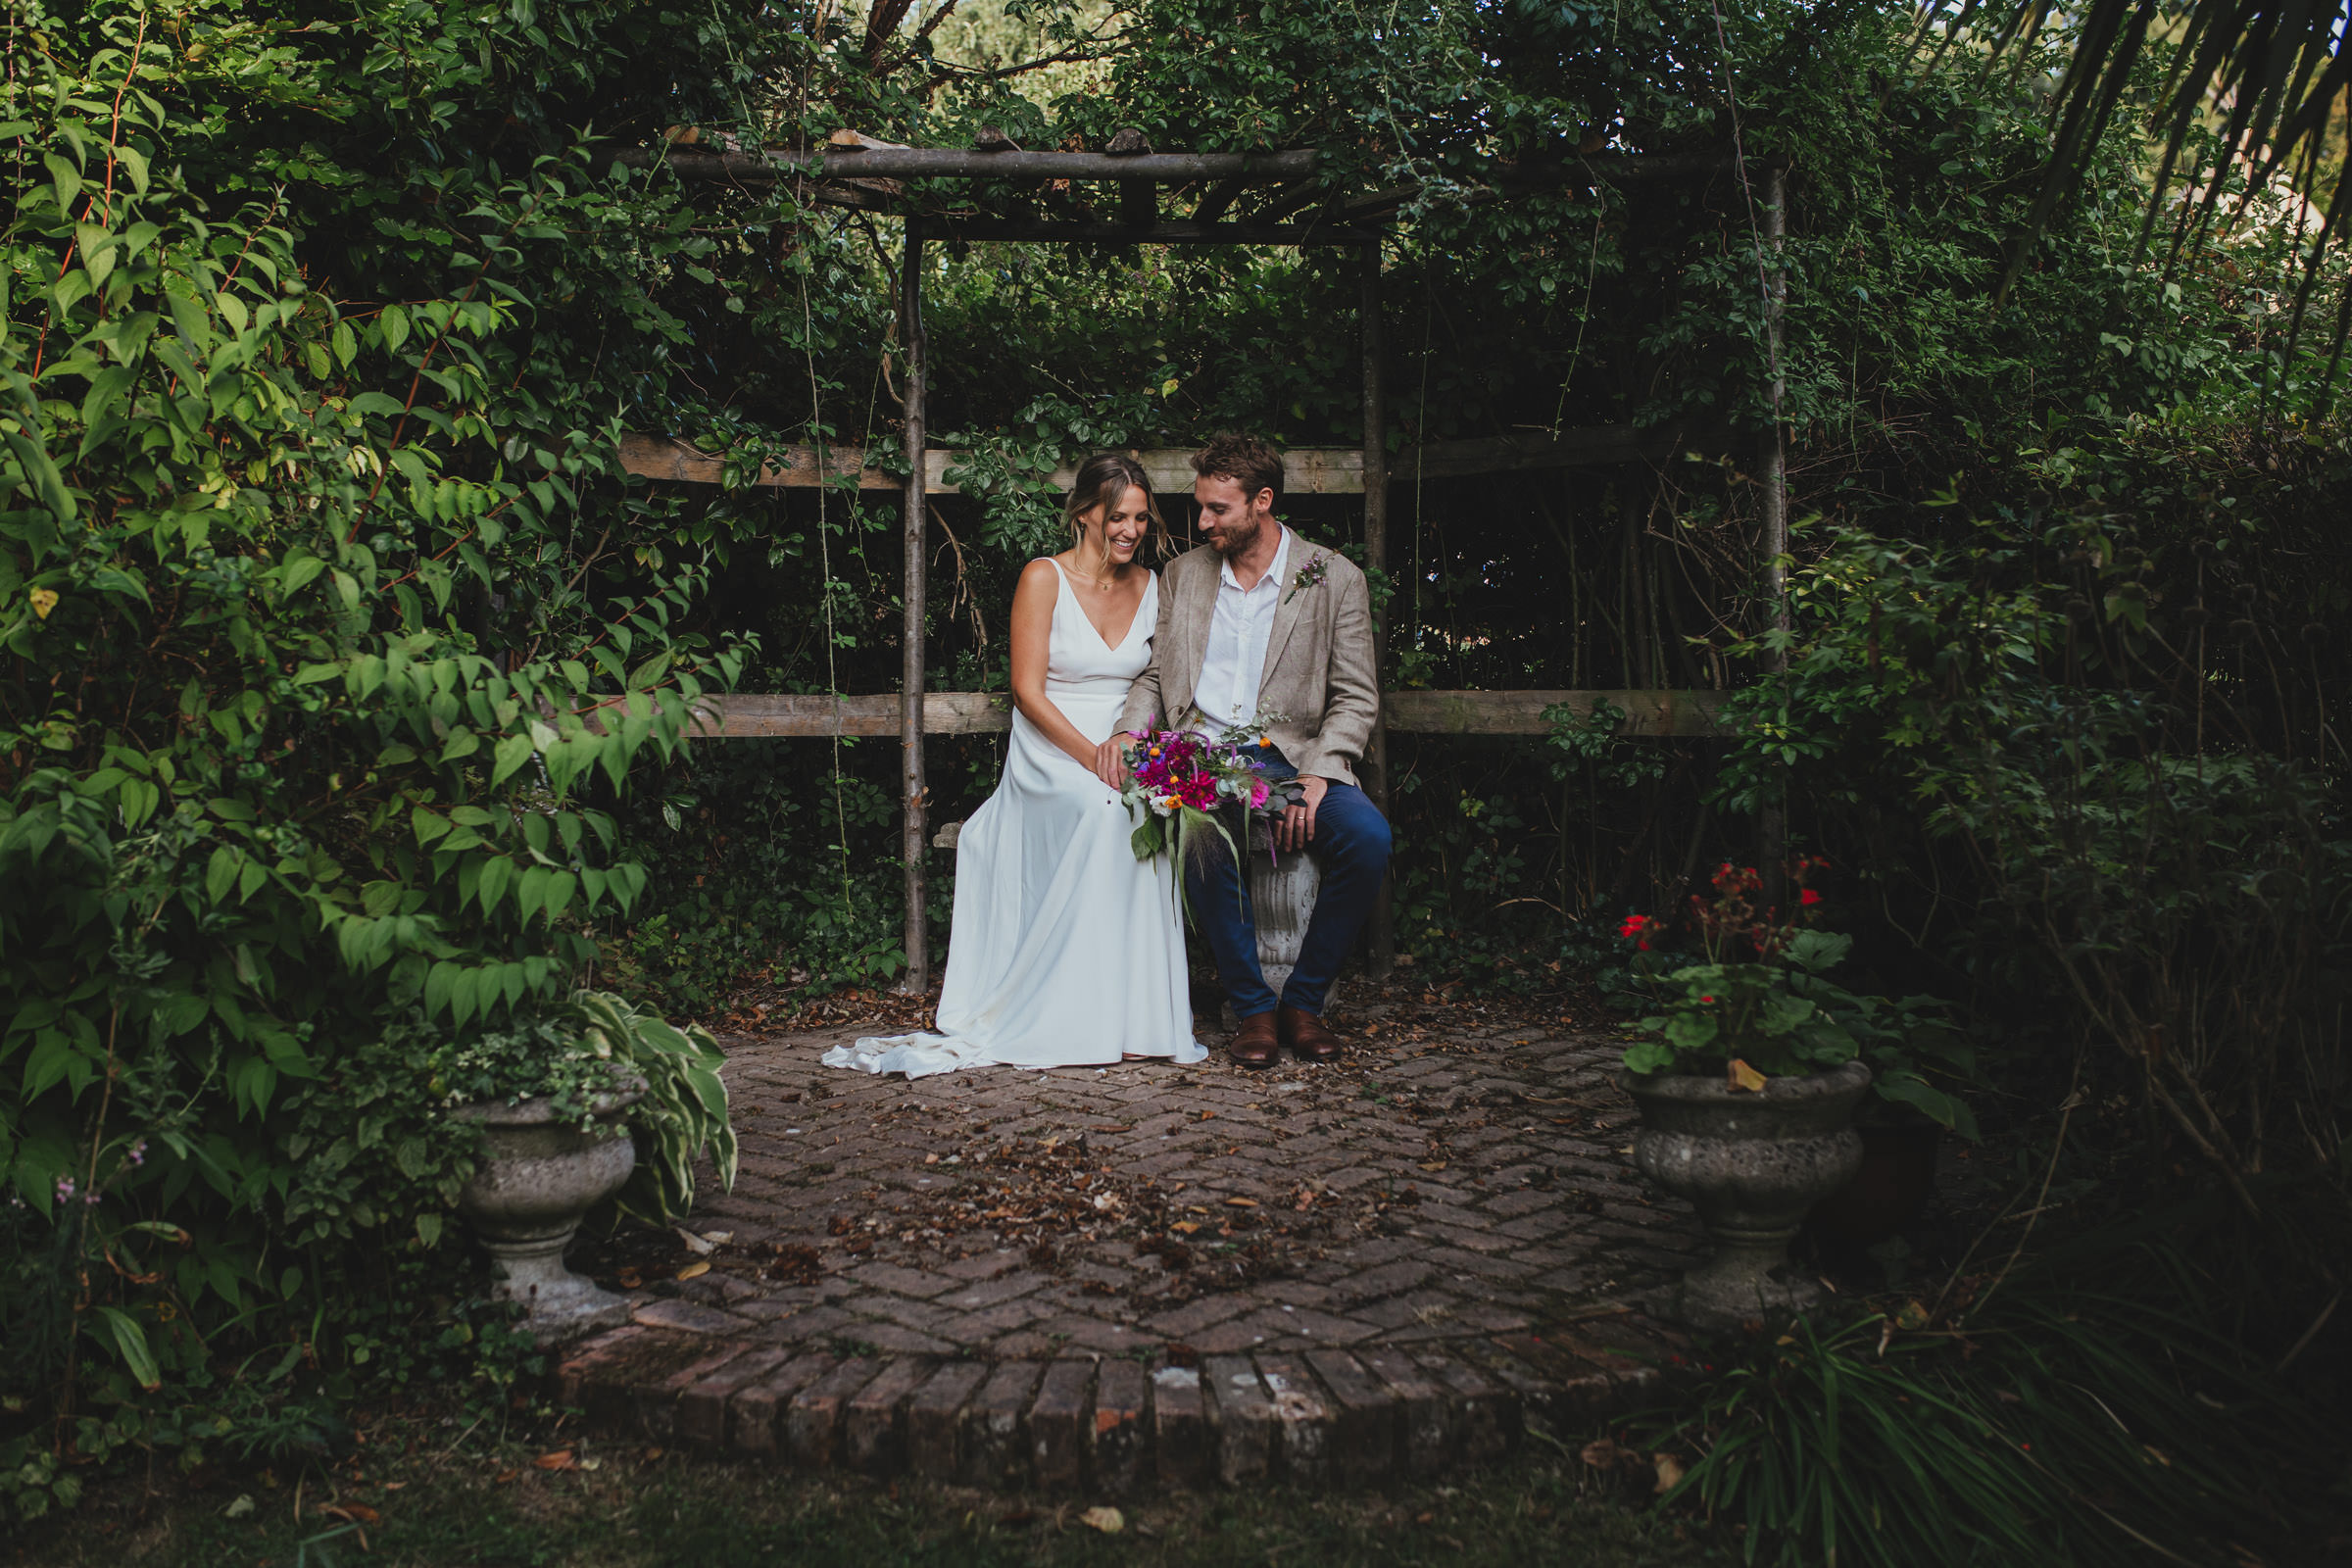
(1108, 1520)
(394, 1485)
(696, 1269)
(505, 1475)
(1435, 1165)
(1670, 1472)
(694, 1243)
(1241, 1203)
(1601, 1454)
(1743, 1076)
(590, 1464)
(239, 1508)
(630, 1279)
(561, 1459)
(353, 1513)
(1208, 1115)
(1186, 1226)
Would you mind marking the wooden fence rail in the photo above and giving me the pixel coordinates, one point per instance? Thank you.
(1305, 471)
(743, 715)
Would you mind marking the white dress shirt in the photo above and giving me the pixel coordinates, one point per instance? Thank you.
(1239, 628)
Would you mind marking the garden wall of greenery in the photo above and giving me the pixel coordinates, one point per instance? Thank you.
(345, 671)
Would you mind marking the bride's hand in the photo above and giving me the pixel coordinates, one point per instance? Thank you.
(1110, 762)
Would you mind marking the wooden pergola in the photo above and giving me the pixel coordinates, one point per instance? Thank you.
(1273, 198)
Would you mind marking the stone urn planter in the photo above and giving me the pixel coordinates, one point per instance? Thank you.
(1753, 1164)
(1282, 901)
(1890, 1188)
(539, 1176)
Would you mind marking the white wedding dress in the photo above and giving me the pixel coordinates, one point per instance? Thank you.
(1065, 951)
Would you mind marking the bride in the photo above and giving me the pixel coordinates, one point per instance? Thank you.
(1066, 950)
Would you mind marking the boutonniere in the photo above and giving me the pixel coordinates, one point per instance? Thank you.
(1307, 576)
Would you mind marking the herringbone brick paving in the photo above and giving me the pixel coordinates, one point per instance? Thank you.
(1150, 1274)
(1447, 1180)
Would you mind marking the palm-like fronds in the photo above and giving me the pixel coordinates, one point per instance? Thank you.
(2270, 77)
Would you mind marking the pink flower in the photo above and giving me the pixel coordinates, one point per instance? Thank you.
(1258, 793)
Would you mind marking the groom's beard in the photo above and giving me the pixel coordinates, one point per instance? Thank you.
(1231, 542)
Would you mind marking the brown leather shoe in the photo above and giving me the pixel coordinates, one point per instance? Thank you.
(1253, 1043)
(1303, 1032)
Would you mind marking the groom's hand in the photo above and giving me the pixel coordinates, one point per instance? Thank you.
(1296, 829)
(1110, 762)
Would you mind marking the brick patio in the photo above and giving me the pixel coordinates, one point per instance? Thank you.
(1108, 1277)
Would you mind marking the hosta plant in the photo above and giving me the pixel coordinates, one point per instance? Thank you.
(581, 1051)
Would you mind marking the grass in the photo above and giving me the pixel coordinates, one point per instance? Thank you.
(634, 1507)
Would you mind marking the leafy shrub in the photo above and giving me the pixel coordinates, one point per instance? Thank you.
(311, 716)
(2052, 1425)
(2138, 843)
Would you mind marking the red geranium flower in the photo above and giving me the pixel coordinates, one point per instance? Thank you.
(1809, 896)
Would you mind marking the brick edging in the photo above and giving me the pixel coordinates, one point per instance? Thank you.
(1104, 1425)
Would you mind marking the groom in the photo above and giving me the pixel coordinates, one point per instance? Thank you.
(1258, 620)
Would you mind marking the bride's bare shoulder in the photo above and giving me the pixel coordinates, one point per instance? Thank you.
(1038, 580)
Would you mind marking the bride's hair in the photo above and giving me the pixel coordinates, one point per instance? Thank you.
(1102, 482)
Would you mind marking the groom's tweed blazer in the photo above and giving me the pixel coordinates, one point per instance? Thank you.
(1318, 671)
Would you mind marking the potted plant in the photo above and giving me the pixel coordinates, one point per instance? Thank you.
(588, 1100)
(1748, 1078)
(1902, 1121)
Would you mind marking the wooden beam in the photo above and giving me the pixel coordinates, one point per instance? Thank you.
(914, 527)
(1221, 197)
(1305, 471)
(1172, 232)
(1280, 167)
(1647, 714)
(742, 716)
(962, 162)
(1302, 195)
(660, 456)
(1381, 928)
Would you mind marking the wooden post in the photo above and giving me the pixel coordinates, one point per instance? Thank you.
(911, 673)
(1376, 554)
(1772, 820)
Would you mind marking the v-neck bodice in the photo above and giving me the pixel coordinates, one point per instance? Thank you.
(1079, 663)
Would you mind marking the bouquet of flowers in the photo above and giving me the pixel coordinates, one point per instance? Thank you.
(1177, 781)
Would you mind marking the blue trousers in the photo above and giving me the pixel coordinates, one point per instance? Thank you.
(1351, 848)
